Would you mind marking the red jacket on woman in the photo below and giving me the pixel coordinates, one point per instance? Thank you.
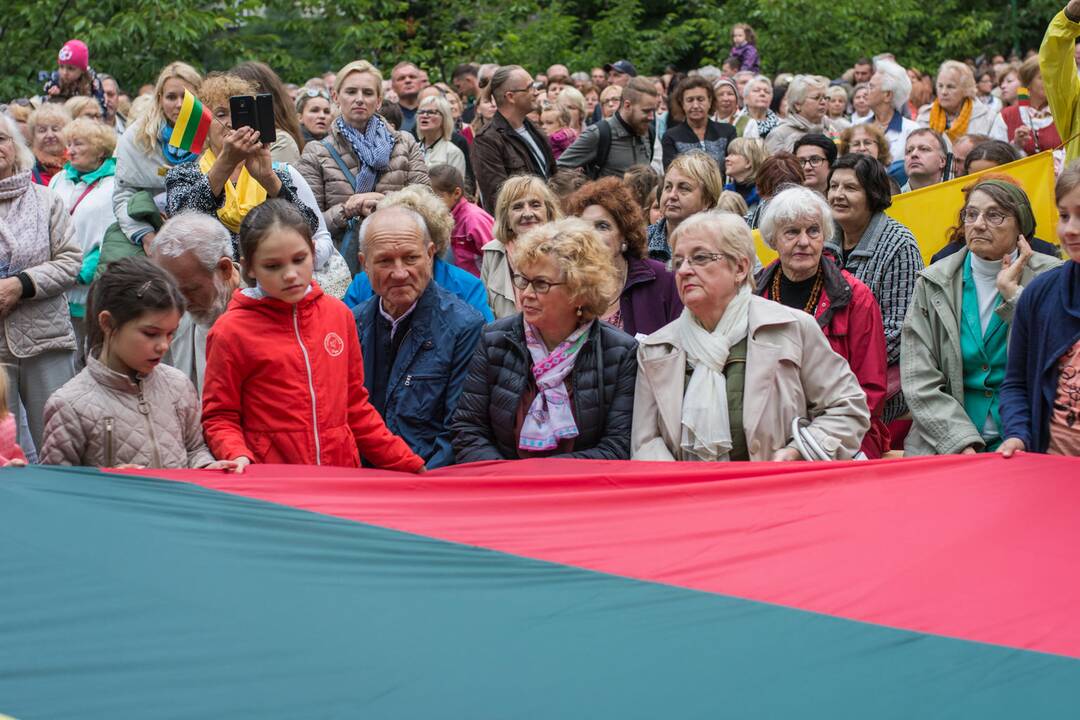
(285, 384)
(849, 315)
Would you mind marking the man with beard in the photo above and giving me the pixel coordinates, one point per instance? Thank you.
(612, 146)
(197, 251)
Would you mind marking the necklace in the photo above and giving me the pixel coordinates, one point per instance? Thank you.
(815, 291)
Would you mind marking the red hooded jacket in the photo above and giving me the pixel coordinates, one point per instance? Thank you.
(285, 384)
(850, 317)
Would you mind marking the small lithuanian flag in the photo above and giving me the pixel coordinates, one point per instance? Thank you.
(1023, 97)
(192, 125)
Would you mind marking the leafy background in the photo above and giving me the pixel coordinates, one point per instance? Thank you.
(133, 39)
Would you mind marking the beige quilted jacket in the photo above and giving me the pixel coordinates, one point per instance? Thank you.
(104, 418)
(331, 188)
(42, 323)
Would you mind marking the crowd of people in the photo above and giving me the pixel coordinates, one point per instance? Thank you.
(510, 264)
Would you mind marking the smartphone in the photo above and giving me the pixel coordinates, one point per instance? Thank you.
(243, 112)
(264, 111)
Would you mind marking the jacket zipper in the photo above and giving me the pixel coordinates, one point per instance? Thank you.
(108, 442)
(144, 409)
(311, 385)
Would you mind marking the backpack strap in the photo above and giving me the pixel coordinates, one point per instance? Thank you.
(603, 148)
(340, 162)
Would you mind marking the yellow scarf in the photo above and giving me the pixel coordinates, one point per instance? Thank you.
(240, 199)
(959, 126)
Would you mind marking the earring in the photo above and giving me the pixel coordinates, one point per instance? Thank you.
(579, 312)
(622, 248)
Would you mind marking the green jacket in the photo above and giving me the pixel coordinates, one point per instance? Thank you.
(115, 244)
(931, 364)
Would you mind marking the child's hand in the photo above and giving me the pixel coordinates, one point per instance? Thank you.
(233, 466)
(54, 90)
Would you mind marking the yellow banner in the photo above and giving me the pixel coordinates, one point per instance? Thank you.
(931, 211)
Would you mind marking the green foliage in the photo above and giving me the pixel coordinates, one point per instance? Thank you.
(132, 39)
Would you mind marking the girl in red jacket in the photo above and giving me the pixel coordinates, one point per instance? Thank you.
(284, 375)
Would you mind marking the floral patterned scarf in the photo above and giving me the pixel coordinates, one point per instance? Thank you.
(550, 417)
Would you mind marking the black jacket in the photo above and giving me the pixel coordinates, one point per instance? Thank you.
(498, 153)
(484, 423)
(681, 138)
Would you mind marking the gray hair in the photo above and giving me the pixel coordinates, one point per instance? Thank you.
(790, 205)
(895, 80)
(800, 88)
(443, 106)
(728, 231)
(24, 159)
(709, 72)
(417, 218)
(754, 81)
(196, 232)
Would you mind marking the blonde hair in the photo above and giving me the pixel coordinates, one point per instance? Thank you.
(78, 104)
(727, 231)
(704, 170)
(19, 112)
(45, 113)
(140, 108)
(443, 106)
(732, 202)
(753, 149)
(584, 258)
(149, 125)
(571, 99)
(359, 66)
(514, 189)
(217, 88)
(100, 137)
(24, 159)
(609, 92)
(966, 77)
(425, 203)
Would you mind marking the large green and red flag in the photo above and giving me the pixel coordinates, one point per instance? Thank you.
(919, 588)
(192, 125)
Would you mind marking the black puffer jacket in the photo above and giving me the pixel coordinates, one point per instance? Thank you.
(483, 426)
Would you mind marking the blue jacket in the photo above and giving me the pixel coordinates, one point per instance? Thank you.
(466, 286)
(1046, 324)
(429, 369)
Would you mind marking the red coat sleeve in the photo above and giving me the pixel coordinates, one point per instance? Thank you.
(222, 399)
(868, 359)
(373, 439)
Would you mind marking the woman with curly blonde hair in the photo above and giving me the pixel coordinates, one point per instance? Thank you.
(553, 380)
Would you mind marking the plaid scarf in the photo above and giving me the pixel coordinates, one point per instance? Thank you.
(372, 148)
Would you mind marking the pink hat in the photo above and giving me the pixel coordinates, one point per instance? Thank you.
(74, 53)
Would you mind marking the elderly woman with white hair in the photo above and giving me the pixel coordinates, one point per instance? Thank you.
(40, 259)
(435, 125)
(736, 375)
(806, 114)
(756, 119)
(887, 93)
(796, 224)
(956, 112)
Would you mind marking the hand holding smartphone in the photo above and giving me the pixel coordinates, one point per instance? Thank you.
(255, 112)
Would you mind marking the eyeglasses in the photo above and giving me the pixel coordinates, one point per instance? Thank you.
(813, 161)
(992, 217)
(528, 88)
(428, 113)
(695, 260)
(4, 139)
(540, 286)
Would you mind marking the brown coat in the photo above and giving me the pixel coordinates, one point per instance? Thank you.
(790, 372)
(332, 189)
(499, 153)
(103, 418)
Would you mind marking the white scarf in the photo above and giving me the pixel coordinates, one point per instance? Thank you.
(706, 427)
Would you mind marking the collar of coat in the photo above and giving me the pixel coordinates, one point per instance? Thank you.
(948, 271)
(836, 287)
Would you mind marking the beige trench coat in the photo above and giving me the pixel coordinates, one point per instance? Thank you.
(790, 372)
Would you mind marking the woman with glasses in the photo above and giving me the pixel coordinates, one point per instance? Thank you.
(315, 112)
(795, 225)
(806, 104)
(435, 125)
(865, 139)
(728, 379)
(553, 380)
(876, 250)
(955, 340)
